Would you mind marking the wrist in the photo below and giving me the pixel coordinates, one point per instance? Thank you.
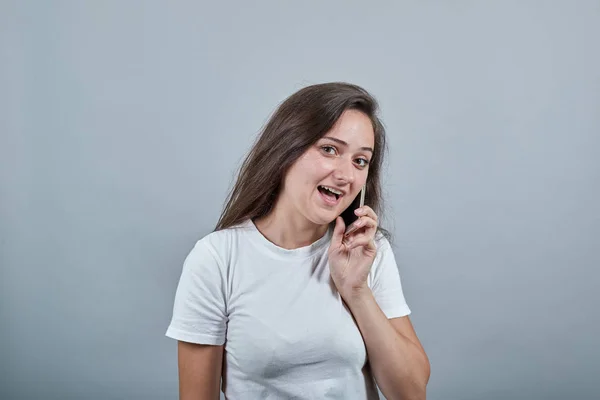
(356, 296)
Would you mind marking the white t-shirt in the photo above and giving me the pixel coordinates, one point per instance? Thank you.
(286, 331)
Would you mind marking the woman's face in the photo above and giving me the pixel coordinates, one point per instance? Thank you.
(323, 182)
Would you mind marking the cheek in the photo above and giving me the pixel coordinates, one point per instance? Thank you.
(314, 167)
(319, 166)
(302, 175)
(363, 178)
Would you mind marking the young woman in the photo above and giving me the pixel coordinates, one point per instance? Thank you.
(296, 294)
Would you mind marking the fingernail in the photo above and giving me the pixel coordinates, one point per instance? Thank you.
(359, 211)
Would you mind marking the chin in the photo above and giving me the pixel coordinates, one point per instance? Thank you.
(324, 218)
(317, 218)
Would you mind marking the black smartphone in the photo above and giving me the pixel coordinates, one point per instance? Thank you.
(348, 214)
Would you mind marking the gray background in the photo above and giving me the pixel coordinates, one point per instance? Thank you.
(122, 125)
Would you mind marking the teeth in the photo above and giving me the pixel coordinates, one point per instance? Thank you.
(332, 190)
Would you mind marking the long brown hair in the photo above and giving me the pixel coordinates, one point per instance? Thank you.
(298, 123)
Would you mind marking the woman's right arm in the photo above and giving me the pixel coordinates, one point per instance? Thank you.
(199, 371)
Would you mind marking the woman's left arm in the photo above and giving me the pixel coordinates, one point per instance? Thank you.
(397, 358)
(398, 361)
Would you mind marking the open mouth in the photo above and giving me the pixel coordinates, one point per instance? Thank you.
(329, 193)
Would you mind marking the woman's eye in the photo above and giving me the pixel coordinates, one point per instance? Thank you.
(329, 149)
(362, 162)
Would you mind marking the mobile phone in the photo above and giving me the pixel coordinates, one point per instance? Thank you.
(348, 215)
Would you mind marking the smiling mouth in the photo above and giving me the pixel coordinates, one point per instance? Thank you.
(329, 193)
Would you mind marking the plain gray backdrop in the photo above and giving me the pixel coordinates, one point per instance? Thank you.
(123, 123)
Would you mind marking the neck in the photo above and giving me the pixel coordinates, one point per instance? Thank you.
(289, 230)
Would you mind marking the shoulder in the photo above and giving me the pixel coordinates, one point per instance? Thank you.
(382, 243)
(220, 244)
(385, 254)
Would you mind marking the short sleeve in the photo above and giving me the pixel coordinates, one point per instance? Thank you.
(199, 310)
(385, 282)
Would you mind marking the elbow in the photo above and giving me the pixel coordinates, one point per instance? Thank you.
(416, 394)
(418, 391)
(427, 373)
(421, 392)
(421, 386)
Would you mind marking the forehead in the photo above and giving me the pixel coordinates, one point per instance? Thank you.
(355, 128)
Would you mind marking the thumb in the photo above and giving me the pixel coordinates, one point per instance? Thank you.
(338, 232)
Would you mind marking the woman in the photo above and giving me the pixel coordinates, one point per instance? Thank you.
(288, 296)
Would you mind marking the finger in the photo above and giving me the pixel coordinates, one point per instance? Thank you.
(362, 234)
(338, 232)
(362, 222)
(362, 241)
(354, 226)
(367, 212)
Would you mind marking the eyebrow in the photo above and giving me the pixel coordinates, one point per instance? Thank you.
(346, 144)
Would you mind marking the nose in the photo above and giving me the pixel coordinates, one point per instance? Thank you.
(344, 172)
